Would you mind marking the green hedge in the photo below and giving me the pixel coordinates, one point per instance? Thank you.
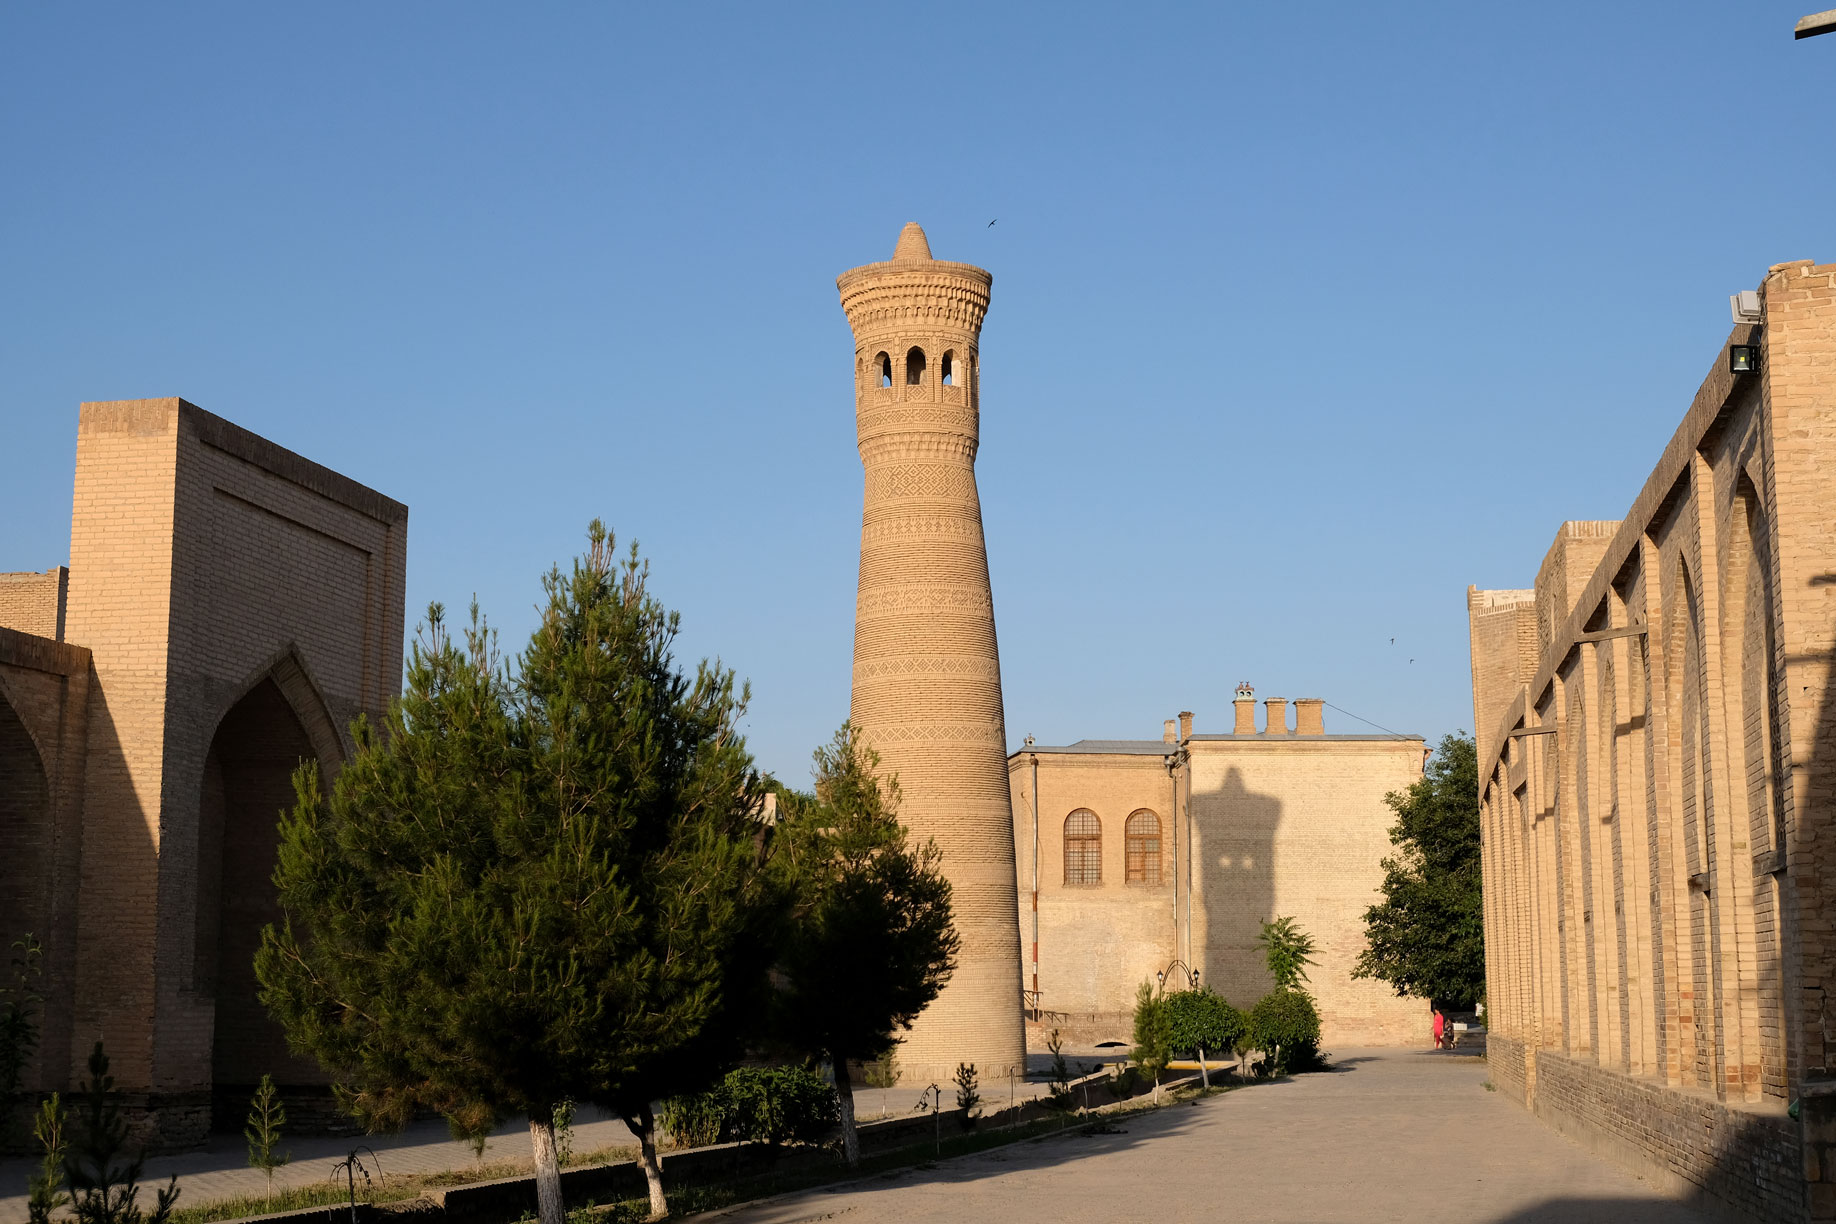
(755, 1105)
(1201, 1019)
(1285, 1026)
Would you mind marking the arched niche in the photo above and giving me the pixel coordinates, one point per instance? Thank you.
(25, 832)
(277, 724)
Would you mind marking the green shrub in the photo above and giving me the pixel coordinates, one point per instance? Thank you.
(755, 1105)
(1285, 1026)
(695, 1120)
(1201, 1020)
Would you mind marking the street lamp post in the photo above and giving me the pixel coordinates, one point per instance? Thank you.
(1815, 24)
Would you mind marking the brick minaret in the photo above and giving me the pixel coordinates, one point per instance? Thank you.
(927, 677)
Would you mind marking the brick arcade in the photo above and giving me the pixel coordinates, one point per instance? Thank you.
(1657, 762)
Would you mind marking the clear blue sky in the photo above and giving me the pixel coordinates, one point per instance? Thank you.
(1305, 316)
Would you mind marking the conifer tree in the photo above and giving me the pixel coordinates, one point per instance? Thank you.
(869, 943)
(104, 1180)
(267, 1115)
(538, 886)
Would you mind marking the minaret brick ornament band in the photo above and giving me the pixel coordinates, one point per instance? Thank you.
(927, 676)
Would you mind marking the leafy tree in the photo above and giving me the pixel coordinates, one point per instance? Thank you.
(536, 886)
(1287, 950)
(869, 941)
(1285, 1026)
(1426, 937)
(1153, 1036)
(266, 1118)
(104, 1181)
(45, 1188)
(1200, 1022)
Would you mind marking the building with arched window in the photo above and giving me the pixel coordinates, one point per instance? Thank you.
(229, 608)
(1150, 860)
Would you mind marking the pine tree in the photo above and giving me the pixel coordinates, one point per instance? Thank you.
(104, 1181)
(1426, 937)
(266, 1118)
(538, 886)
(869, 943)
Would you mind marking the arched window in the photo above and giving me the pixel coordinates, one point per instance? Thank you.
(914, 366)
(885, 364)
(947, 371)
(1141, 848)
(1083, 848)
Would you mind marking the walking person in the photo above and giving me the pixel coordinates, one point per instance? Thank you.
(1440, 1027)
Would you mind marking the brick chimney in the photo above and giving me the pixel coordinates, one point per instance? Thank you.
(1246, 710)
(1277, 719)
(1185, 725)
(1309, 716)
(1169, 733)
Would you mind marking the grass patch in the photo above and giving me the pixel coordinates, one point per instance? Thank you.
(689, 1198)
(394, 1188)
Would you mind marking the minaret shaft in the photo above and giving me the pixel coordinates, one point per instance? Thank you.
(927, 673)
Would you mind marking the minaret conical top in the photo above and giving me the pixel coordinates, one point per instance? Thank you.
(913, 245)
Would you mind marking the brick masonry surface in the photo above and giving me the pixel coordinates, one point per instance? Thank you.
(1657, 758)
(230, 607)
(927, 675)
(1244, 828)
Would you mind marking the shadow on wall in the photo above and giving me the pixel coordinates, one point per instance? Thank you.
(1234, 833)
(25, 833)
(248, 785)
(1808, 1006)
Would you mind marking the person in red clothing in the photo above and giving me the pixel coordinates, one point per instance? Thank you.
(1440, 1027)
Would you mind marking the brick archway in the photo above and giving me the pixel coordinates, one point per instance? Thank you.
(278, 722)
(25, 830)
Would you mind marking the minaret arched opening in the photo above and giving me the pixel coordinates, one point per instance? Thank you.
(946, 369)
(914, 366)
(885, 364)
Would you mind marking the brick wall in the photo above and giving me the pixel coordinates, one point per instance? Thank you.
(927, 673)
(210, 567)
(44, 687)
(1692, 1146)
(1656, 792)
(1287, 824)
(34, 603)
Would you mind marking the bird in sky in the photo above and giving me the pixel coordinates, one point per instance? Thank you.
(991, 223)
